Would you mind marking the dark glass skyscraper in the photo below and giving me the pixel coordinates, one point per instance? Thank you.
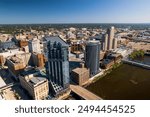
(57, 66)
(92, 53)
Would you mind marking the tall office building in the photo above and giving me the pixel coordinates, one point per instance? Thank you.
(110, 33)
(114, 43)
(57, 66)
(105, 42)
(92, 56)
(34, 46)
(109, 42)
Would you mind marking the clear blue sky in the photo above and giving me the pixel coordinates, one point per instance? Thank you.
(74, 11)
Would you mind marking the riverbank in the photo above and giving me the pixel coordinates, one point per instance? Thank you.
(144, 63)
(100, 75)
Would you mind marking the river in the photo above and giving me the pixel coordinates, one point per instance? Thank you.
(127, 82)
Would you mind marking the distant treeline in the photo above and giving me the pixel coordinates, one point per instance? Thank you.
(11, 28)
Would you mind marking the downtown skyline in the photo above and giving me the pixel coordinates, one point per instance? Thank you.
(74, 11)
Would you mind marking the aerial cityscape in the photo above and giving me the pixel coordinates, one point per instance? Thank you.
(68, 57)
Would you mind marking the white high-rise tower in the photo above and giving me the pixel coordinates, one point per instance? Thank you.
(110, 33)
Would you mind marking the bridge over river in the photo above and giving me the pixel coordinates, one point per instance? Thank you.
(84, 93)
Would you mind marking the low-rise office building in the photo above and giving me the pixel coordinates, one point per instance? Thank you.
(7, 45)
(1, 60)
(38, 59)
(23, 43)
(117, 57)
(37, 87)
(15, 65)
(107, 63)
(80, 75)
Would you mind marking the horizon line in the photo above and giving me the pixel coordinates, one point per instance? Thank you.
(72, 23)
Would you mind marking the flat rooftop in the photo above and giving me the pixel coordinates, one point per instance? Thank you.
(36, 80)
(29, 70)
(56, 39)
(93, 42)
(15, 60)
(114, 54)
(39, 72)
(80, 70)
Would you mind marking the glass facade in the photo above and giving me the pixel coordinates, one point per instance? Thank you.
(57, 67)
(92, 57)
